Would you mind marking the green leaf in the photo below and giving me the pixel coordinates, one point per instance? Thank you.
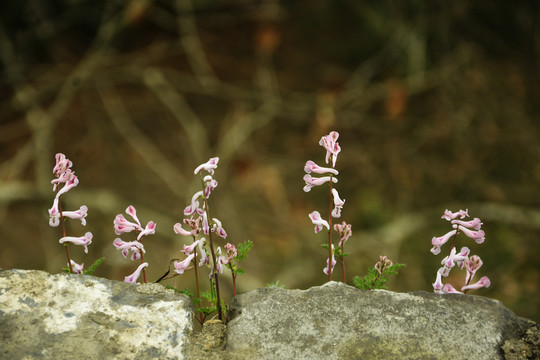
(94, 266)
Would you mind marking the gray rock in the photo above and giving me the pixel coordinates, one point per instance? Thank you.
(66, 316)
(336, 321)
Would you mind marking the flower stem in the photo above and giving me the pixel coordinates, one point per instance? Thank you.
(197, 281)
(64, 235)
(330, 234)
(214, 261)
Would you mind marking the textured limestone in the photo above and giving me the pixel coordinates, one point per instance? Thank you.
(336, 321)
(44, 316)
(82, 317)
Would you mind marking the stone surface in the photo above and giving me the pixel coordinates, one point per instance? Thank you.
(336, 321)
(44, 316)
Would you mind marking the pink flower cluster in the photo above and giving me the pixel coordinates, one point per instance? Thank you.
(198, 222)
(122, 226)
(330, 144)
(65, 180)
(462, 259)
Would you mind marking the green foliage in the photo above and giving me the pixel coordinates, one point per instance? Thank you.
(275, 284)
(374, 280)
(94, 266)
(241, 253)
(187, 292)
(211, 297)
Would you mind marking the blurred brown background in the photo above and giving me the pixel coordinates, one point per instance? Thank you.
(436, 104)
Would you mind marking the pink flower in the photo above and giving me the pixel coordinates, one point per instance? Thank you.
(62, 178)
(205, 225)
(180, 230)
(204, 257)
(82, 240)
(188, 249)
(329, 142)
(54, 214)
(311, 181)
(476, 223)
(79, 214)
(181, 266)
(478, 236)
(451, 260)
(437, 242)
(121, 225)
(231, 251)
(194, 207)
(328, 266)
(338, 204)
(62, 164)
(77, 269)
(472, 265)
(448, 215)
(125, 247)
(133, 277)
(209, 166)
(70, 184)
(382, 264)
(318, 221)
(344, 230)
(211, 184)
(150, 229)
(218, 228)
(483, 282)
(438, 285)
(311, 167)
(449, 289)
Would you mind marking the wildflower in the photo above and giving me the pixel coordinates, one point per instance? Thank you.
(188, 249)
(330, 263)
(209, 166)
(218, 228)
(181, 266)
(312, 182)
(62, 164)
(329, 142)
(194, 206)
(448, 215)
(82, 240)
(451, 260)
(121, 225)
(133, 277)
(149, 229)
(231, 251)
(79, 214)
(382, 264)
(449, 289)
(437, 242)
(338, 204)
(344, 230)
(205, 260)
(316, 219)
(77, 269)
(472, 265)
(70, 184)
(478, 236)
(180, 230)
(483, 282)
(476, 223)
(135, 246)
(211, 184)
(311, 167)
(438, 285)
